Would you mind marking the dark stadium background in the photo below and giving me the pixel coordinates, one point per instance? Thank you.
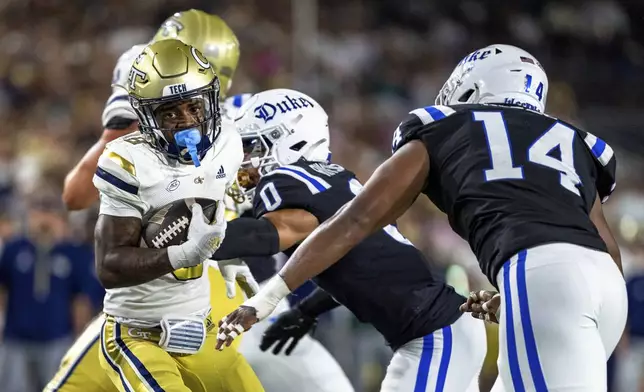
(368, 63)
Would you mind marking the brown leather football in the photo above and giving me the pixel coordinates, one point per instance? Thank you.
(168, 225)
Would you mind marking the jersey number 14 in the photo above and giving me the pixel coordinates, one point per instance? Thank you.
(559, 135)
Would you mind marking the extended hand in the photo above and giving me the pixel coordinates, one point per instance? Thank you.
(233, 325)
(203, 238)
(236, 271)
(484, 305)
(290, 324)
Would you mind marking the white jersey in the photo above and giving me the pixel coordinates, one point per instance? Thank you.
(133, 179)
(118, 105)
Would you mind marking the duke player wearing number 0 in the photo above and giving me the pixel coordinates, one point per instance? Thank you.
(385, 281)
(309, 367)
(158, 331)
(525, 190)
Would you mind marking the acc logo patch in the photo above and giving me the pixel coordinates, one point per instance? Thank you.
(173, 185)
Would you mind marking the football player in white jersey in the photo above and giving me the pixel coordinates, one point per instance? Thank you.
(158, 334)
(80, 370)
(206, 32)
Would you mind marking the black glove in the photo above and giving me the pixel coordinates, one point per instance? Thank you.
(290, 324)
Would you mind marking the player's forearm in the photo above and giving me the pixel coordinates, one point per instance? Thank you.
(129, 266)
(324, 247)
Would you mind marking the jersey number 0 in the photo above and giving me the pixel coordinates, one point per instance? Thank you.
(559, 135)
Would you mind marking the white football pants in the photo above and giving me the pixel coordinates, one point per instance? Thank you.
(447, 360)
(563, 311)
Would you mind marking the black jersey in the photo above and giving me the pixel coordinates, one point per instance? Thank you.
(385, 280)
(510, 178)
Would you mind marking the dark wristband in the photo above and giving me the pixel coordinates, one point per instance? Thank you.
(248, 237)
(318, 302)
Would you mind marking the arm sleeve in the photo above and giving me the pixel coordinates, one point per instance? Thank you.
(605, 164)
(243, 231)
(318, 302)
(116, 181)
(118, 113)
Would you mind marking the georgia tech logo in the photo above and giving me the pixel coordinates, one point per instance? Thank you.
(135, 73)
(138, 333)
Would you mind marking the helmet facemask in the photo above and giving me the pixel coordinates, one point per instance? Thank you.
(452, 84)
(182, 126)
(259, 155)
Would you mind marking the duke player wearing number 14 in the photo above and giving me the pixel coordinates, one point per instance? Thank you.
(158, 334)
(525, 190)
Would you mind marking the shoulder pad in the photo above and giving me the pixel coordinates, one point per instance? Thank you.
(600, 149)
(315, 184)
(429, 114)
(418, 118)
(116, 167)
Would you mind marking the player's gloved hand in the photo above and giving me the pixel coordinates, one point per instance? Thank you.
(203, 238)
(290, 324)
(236, 270)
(251, 311)
(484, 305)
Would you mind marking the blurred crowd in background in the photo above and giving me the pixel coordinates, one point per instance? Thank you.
(368, 63)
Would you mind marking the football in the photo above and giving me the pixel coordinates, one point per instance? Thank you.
(168, 225)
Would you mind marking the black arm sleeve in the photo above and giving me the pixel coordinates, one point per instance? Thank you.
(318, 302)
(248, 237)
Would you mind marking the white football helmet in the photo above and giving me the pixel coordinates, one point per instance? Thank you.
(279, 127)
(501, 74)
(232, 105)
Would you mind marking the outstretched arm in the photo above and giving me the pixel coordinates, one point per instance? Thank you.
(390, 191)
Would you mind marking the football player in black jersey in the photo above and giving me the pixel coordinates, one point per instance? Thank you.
(384, 281)
(525, 190)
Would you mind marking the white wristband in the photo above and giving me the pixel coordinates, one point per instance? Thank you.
(268, 297)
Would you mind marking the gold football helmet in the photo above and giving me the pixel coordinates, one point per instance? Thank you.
(211, 35)
(175, 93)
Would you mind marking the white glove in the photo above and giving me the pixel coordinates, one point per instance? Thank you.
(236, 270)
(203, 238)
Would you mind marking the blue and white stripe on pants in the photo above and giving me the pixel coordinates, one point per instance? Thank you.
(447, 360)
(563, 311)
